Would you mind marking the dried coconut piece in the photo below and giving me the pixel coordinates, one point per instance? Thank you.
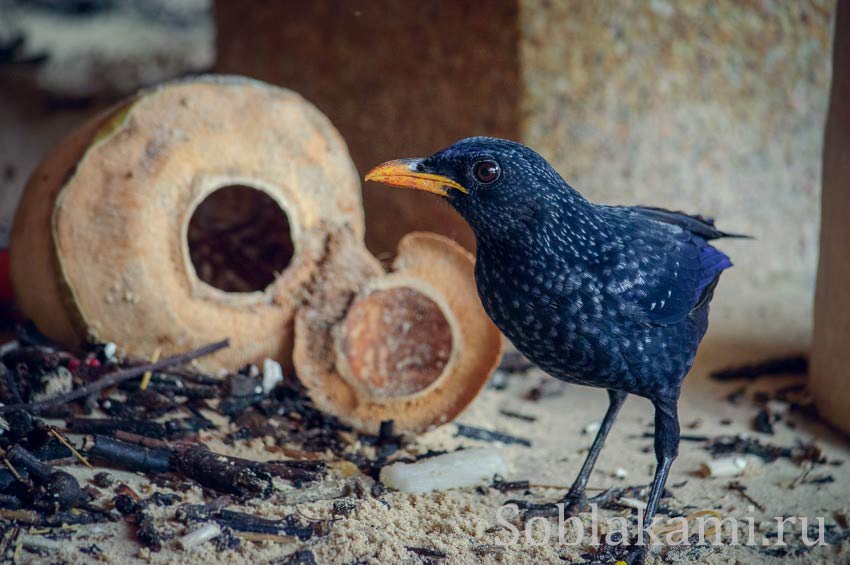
(101, 241)
(463, 468)
(413, 346)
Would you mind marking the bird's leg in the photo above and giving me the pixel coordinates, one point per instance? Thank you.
(575, 500)
(666, 450)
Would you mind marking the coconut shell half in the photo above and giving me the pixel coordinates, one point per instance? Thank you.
(413, 345)
(100, 245)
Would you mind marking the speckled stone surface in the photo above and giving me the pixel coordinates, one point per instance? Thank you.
(709, 107)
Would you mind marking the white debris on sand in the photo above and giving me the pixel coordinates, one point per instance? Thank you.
(464, 468)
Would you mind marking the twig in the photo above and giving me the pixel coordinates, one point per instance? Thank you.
(518, 416)
(9, 465)
(807, 468)
(427, 552)
(742, 490)
(220, 472)
(130, 456)
(146, 378)
(67, 444)
(254, 536)
(474, 432)
(118, 377)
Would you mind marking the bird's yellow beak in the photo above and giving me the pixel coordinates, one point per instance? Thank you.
(403, 173)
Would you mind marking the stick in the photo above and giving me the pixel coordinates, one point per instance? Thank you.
(9, 465)
(130, 456)
(474, 432)
(74, 451)
(118, 377)
(220, 472)
(146, 378)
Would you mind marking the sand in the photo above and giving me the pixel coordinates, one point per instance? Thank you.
(462, 524)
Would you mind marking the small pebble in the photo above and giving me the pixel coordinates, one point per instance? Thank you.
(103, 479)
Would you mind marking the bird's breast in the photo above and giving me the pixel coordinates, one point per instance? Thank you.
(561, 319)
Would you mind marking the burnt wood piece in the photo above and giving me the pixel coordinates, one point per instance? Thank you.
(222, 473)
(130, 456)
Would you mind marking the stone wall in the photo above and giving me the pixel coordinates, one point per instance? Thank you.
(709, 107)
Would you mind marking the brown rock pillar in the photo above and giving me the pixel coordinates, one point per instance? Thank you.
(830, 367)
(396, 78)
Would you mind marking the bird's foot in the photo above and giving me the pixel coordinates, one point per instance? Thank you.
(575, 503)
(572, 504)
(636, 554)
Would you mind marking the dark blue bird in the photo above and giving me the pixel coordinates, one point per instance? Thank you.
(606, 296)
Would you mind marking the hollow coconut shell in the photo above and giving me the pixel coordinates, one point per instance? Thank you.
(99, 247)
(413, 345)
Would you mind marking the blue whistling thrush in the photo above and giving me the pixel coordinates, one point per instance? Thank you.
(605, 296)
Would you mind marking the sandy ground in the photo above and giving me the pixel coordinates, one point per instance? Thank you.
(460, 523)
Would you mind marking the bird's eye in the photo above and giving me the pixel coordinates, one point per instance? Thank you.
(486, 172)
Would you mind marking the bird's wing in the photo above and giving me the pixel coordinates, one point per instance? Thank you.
(677, 269)
(701, 226)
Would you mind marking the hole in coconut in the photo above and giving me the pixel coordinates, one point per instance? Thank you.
(239, 239)
(396, 341)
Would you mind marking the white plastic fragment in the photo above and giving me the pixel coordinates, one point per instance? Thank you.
(109, 351)
(591, 428)
(272, 375)
(464, 468)
(199, 536)
(620, 473)
(724, 467)
(41, 543)
(632, 503)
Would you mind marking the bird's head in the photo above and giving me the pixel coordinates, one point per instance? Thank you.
(502, 188)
